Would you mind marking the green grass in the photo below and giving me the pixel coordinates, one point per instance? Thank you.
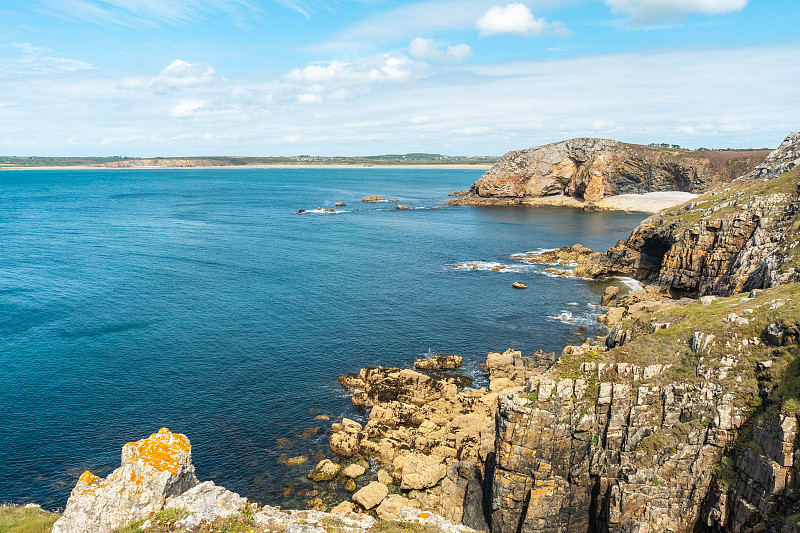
(396, 526)
(20, 519)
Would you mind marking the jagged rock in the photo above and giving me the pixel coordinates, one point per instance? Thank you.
(340, 204)
(152, 470)
(326, 470)
(206, 501)
(422, 471)
(439, 362)
(774, 334)
(701, 341)
(353, 471)
(595, 168)
(609, 295)
(725, 242)
(613, 316)
(344, 507)
(519, 285)
(371, 495)
(658, 326)
(617, 337)
(391, 507)
(374, 198)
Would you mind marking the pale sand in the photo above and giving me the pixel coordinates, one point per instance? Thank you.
(651, 202)
(377, 167)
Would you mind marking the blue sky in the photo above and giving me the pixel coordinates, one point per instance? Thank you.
(363, 77)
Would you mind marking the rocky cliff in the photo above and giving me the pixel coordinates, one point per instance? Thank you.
(738, 236)
(692, 427)
(596, 168)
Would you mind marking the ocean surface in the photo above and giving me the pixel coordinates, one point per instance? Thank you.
(199, 300)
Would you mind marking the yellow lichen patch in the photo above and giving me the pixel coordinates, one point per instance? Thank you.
(88, 478)
(162, 451)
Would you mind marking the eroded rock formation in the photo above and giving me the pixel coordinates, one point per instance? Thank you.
(592, 169)
(736, 237)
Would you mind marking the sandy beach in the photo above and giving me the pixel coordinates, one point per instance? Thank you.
(651, 202)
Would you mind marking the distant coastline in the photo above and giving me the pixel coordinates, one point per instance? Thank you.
(480, 166)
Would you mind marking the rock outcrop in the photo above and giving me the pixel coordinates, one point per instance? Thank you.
(592, 169)
(153, 470)
(641, 438)
(736, 237)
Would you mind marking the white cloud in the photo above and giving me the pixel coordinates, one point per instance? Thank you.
(176, 76)
(186, 109)
(292, 138)
(428, 50)
(309, 98)
(23, 60)
(392, 67)
(645, 12)
(517, 19)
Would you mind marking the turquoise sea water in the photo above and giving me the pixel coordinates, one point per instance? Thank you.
(199, 300)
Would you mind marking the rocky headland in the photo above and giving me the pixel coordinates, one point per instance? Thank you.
(584, 171)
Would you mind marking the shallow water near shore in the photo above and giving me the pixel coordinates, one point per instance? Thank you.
(199, 300)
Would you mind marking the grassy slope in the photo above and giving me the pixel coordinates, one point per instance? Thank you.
(20, 519)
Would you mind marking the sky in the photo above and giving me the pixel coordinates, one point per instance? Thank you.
(145, 78)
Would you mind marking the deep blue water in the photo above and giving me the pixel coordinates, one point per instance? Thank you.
(199, 300)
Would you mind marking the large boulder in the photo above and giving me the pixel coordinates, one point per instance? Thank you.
(439, 361)
(153, 470)
(371, 495)
(422, 471)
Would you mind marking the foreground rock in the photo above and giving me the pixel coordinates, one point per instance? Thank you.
(153, 470)
(157, 474)
(591, 169)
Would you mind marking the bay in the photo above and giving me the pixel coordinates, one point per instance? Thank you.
(199, 300)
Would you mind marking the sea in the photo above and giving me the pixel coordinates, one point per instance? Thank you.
(200, 300)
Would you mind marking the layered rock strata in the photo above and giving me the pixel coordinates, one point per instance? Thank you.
(734, 238)
(592, 169)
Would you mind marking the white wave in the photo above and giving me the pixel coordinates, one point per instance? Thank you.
(572, 303)
(489, 266)
(536, 251)
(320, 211)
(630, 282)
(581, 319)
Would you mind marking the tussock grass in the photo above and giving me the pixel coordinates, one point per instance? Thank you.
(20, 519)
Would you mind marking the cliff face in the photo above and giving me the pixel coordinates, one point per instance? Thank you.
(596, 168)
(664, 433)
(736, 237)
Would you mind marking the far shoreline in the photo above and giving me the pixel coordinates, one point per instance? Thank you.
(261, 167)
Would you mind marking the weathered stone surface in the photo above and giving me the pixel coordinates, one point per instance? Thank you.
(353, 471)
(439, 361)
(152, 470)
(206, 501)
(422, 471)
(371, 495)
(595, 168)
(326, 470)
(374, 198)
(391, 507)
(609, 295)
(730, 240)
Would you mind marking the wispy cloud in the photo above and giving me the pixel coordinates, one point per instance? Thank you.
(429, 50)
(649, 12)
(134, 13)
(24, 59)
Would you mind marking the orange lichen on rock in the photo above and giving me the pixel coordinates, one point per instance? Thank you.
(88, 478)
(163, 451)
